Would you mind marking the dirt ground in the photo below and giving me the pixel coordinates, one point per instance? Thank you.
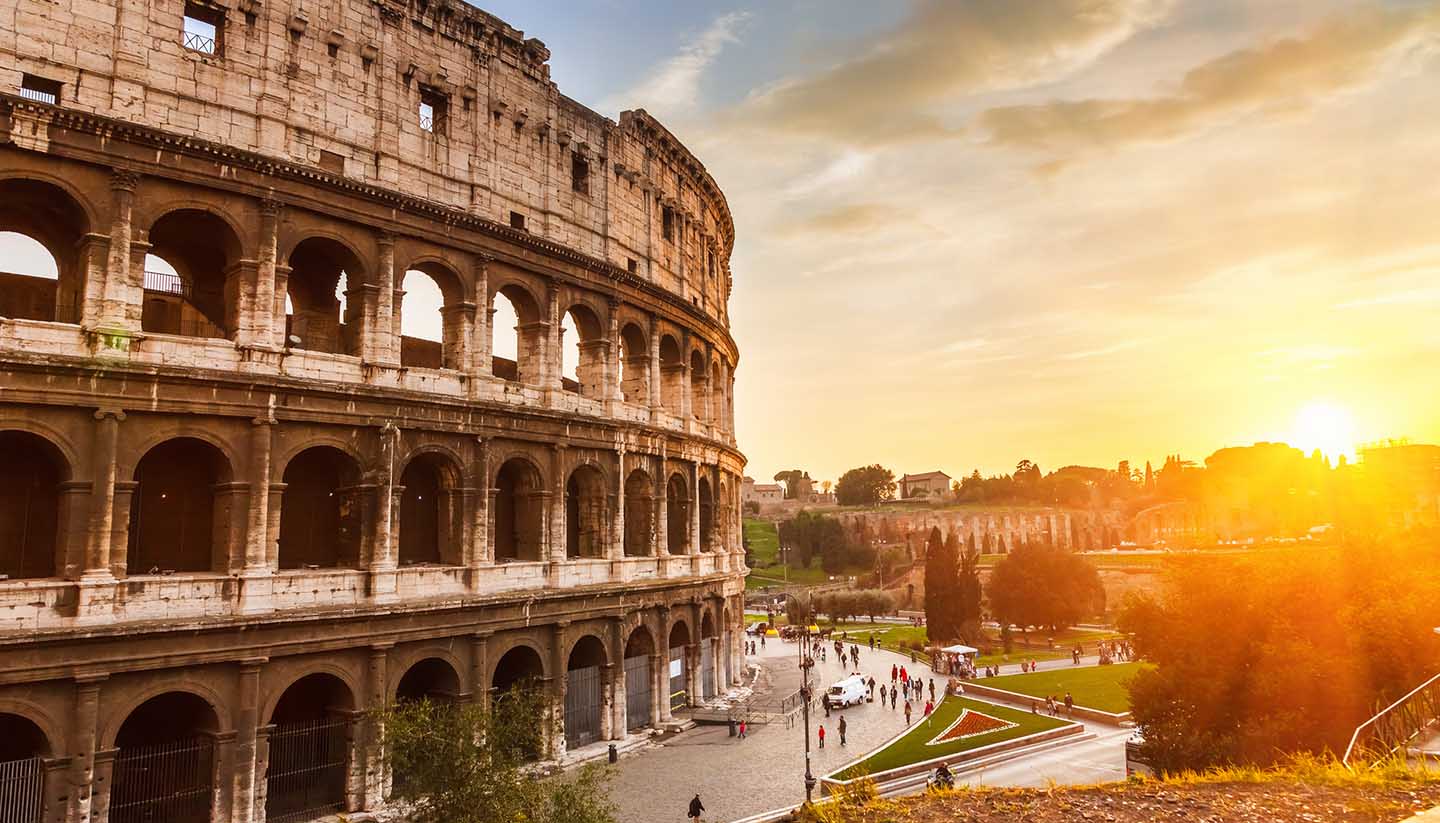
(1140, 803)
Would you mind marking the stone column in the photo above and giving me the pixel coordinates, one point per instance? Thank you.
(480, 553)
(687, 403)
(662, 504)
(559, 682)
(247, 722)
(662, 669)
(459, 322)
(551, 371)
(619, 720)
(97, 572)
(263, 321)
(92, 252)
(115, 314)
(708, 412)
(255, 591)
(480, 668)
(695, 544)
(376, 696)
(382, 563)
(617, 524)
(484, 317)
(82, 746)
(384, 339)
(282, 290)
(613, 396)
(657, 398)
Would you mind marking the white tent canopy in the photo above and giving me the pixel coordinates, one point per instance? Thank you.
(959, 649)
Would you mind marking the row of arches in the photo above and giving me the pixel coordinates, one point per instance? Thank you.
(197, 266)
(172, 752)
(183, 508)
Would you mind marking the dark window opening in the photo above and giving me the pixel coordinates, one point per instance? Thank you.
(580, 174)
(517, 220)
(630, 264)
(330, 161)
(667, 224)
(434, 109)
(40, 89)
(203, 28)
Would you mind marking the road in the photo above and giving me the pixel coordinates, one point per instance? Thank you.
(737, 778)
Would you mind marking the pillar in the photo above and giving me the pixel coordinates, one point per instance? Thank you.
(92, 252)
(102, 499)
(483, 499)
(256, 569)
(247, 722)
(662, 491)
(559, 682)
(695, 544)
(376, 696)
(382, 562)
(554, 547)
(266, 327)
(551, 372)
(613, 395)
(115, 315)
(459, 322)
(82, 746)
(617, 523)
(480, 668)
(692, 669)
(484, 314)
(619, 718)
(384, 340)
(656, 397)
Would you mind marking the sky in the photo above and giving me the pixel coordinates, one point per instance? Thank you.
(971, 232)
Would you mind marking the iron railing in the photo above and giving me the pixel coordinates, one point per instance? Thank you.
(308, 765)
(40, 95)
(165, 781)
(1394, 726)
(199, 42)
(167, 283)
(22, 790)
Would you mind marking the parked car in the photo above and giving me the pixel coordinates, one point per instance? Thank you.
(1135, 762)
(848, 692)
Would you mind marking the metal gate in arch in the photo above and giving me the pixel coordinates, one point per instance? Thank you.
(583, 702)
(306, 776)
(164, 781)
(707, 669)
(22, 790)
(678, 696)
(639, 686)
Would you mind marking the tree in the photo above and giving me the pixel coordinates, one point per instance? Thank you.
(967, 601)
(942, 586)
(799, 611)
(463, 763)
(865, 486)
(1039, 586)
(808, 535)
(793, 481)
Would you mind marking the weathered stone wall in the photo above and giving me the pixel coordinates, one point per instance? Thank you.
(993, 530)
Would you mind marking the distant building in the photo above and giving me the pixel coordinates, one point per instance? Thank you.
(1406, 477)
(929, 484)
(761, 493)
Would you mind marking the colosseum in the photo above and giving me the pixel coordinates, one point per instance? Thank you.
(248, 494)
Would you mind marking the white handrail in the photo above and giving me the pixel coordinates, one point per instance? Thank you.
(1354, 738)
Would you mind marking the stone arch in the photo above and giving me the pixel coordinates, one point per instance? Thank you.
(526, 343)
(201, 298)
(672, 375)
(431, 510)
(518, 662)
(585, 364)
(323, 269)
(433, 678)
(584, 692)
(172, 733)
(699, 393)
(707, 623)
(22, 737)
(639, 668)
(633, 360)
(586, 512)
(706, 500)
(639, 514)
(680, 633)
(310, 754)
(53, 215)
(179, 513)
(519, 511)
(31, 506)
(432, 311)
(677, 514)
(320, 523)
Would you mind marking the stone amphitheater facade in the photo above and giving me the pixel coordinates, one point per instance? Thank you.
(240, 505)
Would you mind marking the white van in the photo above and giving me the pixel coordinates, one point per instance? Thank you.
(848, 692)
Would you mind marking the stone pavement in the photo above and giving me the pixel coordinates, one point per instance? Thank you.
(738, 778)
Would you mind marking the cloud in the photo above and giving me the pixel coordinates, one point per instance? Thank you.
(1279, 77)
(859, 219)
(889, 91)
(674, 85)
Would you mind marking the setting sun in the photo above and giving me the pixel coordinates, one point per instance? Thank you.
(1324, 426)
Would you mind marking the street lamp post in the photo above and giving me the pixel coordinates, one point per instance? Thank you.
(806, 661)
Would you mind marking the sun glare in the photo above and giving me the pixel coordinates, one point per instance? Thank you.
(1324, 426)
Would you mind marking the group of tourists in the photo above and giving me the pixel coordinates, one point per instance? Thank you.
(1052, 706)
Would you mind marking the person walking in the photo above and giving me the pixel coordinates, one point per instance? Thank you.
(696, 807)
(894, 696)
(742, 729)
(894, 673)
(842, 730)
(882, 694)
(929, 707)
(932, 688)
(1069, 704)
(822, 735)
(907, 712)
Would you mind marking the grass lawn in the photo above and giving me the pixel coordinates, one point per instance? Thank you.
(1094, 687)
(764, 541)
(914, 748)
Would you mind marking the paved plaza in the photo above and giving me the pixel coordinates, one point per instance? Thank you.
(737, 778)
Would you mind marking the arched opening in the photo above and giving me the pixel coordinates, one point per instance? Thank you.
(707, 515)
(677, 515)
(517, 674)
(639, 679)
(431, 679)
(584, 692)
(585, 517)
(22, 777)
(320, 511)
(431, 324)
(307, 772)
(165, 761)
(639, 515)
(429, 512)
(175, 523)
(192, 278)
(634, 364)
(320, 314)
(708, 650)
(583, 353)
(519, 511)
(517, 335)
(672, 375)
(699, 394)
(679, 665)
(42, 266)
(30, 505)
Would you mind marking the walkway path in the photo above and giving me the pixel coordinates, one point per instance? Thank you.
(737, 778)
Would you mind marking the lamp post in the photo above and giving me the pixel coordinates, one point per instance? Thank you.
(806, 661)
